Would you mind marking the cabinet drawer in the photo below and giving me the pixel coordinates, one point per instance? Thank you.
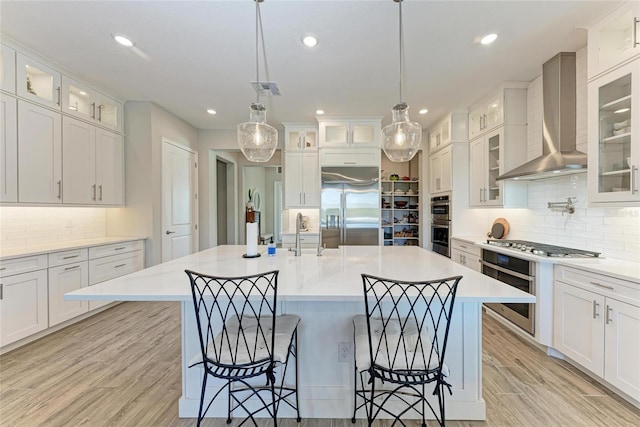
(114, 249)
(598, 283)
(466, 247)
(13, 266)
(113, 266)
(349, 157)
(67, 257)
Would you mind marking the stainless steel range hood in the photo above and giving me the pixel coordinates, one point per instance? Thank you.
(559, 155)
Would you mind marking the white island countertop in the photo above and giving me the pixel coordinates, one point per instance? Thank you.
(334, 276)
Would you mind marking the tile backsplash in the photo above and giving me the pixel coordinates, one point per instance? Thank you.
(615, 232)
(25, 226)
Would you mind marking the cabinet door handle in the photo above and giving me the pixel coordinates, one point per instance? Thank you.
(349, 163)
(124, 247)
(100, 107)
(120, 265)
(600, 285)
(1, 291)
(60, 189)
(595, 309)
(94, 192)
(73, 267)
(304, 198)
(481, 194)
(3, 268)
(166, 232)
(463, 246)
(634, 171)
(635, 32)
(70, 257)
(609, 310)
(93, 110)
(100, 190)
(59, 96)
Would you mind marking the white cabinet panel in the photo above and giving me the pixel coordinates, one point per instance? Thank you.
(7, 69)
(115, 249)
(39, 154)
(66, 257)
(578, 326)
(622, 347)
(300, 137)
(23, 306)
(38, 82)
(615, 39)
(109, 168)
(79, 161)
(348, 133)
(8, 149)
(301, 180)
(63, 279)
(110, 267)
(440, 173)
(26, 264)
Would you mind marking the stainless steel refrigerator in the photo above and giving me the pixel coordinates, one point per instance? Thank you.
(350, 206)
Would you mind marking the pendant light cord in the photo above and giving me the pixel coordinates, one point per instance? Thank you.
(258, 22)
(400, 45)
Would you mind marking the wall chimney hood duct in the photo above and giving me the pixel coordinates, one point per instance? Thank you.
(559, 155)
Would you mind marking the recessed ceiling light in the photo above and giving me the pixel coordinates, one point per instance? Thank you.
(423, 111)
(309, 41)
(489, 38)
(319, 112)
(622, 110)
(83, 92)
(212, 112)
(123, 41)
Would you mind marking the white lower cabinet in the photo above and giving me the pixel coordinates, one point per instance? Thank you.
(32, 287)
(597, 325)
(466, 254)
(63, 279)
(23, 306)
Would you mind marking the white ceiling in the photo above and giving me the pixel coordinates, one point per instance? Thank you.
(194, 55)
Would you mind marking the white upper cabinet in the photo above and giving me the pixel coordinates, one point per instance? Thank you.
(615, 39)
(39, 154)
(7, 69)
(8, 149)
(300, 137)
(83, 102)
(301, 180)
(614, 136)
(440, 171)
(350, 133)
(93, 164)
(508, 106)
(38, 82)
(452, 128)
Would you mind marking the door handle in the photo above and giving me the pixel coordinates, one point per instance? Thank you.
(634, 171)
(100, 107)
(609, 310)
(481, 194)
(72, 267)
(59, 96)
(60, 189)
(93, 110)
(169, 232)
(100, 189)
(94, 192)
(635, 32)
(1, 291)
(600, 285)
(595, 309)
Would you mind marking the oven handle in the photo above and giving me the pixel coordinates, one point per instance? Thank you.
(507, 271)
(439, 226)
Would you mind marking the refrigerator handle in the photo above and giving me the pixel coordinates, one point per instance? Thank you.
(342, 224)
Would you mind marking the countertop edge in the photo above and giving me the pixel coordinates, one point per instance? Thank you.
(52, 247)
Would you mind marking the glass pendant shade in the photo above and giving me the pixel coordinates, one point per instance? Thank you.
(401, 139)
(257, 140)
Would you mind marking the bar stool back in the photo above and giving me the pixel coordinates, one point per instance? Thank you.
(241, 338)
(400, 345)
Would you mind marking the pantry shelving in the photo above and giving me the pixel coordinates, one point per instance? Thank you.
(400, 212)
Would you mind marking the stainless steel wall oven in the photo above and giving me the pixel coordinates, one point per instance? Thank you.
(440, 225)
(515, 272)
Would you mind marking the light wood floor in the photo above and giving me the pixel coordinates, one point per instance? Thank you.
(122, 368)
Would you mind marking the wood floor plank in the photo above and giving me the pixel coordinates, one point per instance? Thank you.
(122, 368)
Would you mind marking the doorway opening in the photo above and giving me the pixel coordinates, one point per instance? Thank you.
(225, 196)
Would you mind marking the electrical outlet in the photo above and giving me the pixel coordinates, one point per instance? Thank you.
(345, 352)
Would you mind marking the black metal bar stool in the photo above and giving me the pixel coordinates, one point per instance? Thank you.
(242, 339)
(400, 345)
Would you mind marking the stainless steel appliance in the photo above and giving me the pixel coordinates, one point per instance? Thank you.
(441, 225)
(515, 272)
(350, 206)
(542, 249)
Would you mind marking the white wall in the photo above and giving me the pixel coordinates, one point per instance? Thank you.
(146, 124)
(27, 226)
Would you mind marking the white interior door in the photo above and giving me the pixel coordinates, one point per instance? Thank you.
(179, 201)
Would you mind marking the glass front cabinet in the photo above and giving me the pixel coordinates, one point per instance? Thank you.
(614, 137)
(83, 102)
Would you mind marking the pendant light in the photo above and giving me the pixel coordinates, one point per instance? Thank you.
(257, 140)
(401, 139)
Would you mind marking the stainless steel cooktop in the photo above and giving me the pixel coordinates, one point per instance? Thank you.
(542, 249)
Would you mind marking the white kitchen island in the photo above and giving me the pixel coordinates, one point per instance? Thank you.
(326, 292)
